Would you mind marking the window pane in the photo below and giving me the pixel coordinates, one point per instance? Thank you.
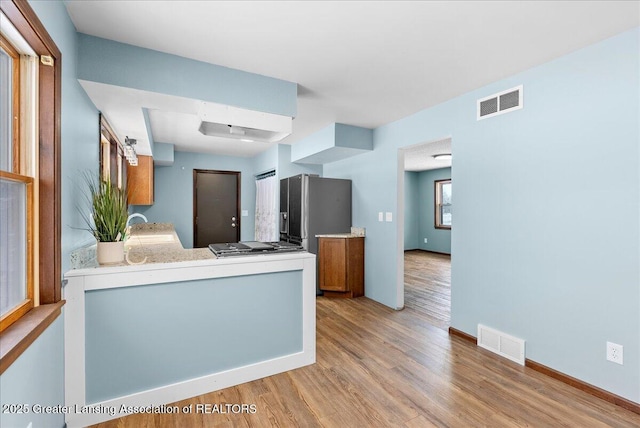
(13, 214)
(443, 204)
(446, 194)
(446, 215)
(6, 102)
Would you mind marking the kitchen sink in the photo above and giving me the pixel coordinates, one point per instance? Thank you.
(150, 239)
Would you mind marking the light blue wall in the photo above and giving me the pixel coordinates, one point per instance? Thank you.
(334, 142)
(80, 127)
(173, 192)
(319, 141)
(438, 240)
(287, 169)
(531, 255)
(147, 125)
(373, 176)
(167, 333)
(278, 158)
(354, 137)
(163, 154)
(106, 61)
(36, 378)
(266, 161)
(411, 211)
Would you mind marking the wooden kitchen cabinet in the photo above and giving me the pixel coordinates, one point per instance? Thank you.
(341, 266)
(140, 181)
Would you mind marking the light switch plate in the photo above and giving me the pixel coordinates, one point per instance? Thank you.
(380, 216)
(389, 217)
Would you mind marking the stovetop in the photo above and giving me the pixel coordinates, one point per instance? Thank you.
(252, 248)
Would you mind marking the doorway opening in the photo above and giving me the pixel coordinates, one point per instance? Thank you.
(424, 230)
(216, 207)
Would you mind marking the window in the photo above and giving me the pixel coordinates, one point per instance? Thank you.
(17, 173)
(30, 106)
(9, 73)
(443, 204)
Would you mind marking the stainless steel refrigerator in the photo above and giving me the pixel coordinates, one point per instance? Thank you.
(311, 205)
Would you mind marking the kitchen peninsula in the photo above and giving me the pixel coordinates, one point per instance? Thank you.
(181, 324)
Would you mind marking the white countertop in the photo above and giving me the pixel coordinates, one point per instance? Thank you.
(202, 263)
(156, 246)
(146, 243)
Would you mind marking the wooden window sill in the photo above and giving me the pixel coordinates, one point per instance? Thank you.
(22, 333)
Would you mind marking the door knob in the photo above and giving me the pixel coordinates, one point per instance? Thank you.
(233, 225)
(233, 219)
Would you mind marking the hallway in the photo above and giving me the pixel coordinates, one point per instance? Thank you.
(427, 286)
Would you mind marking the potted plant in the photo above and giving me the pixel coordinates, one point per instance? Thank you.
(108, 219)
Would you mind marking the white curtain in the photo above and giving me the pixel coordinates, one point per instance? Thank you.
(266, 212)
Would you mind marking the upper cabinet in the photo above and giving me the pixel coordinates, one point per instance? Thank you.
(140, 184)
(114, 167)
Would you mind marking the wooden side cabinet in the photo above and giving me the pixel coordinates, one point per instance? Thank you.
(140, 181)
(341, 266)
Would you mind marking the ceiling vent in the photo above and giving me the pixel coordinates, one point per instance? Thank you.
(217, 120)
(500, 103)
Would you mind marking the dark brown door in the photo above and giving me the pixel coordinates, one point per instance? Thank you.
(216, 207)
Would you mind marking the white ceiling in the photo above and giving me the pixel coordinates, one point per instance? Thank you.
(420, 157)
(362, 63)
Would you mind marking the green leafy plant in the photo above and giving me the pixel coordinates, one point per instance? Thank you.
(109, 210)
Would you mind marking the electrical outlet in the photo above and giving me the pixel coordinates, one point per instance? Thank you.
(614, 353)
(425, 240)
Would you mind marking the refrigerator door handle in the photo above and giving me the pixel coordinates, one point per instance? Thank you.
(305, 208)
(283, 223)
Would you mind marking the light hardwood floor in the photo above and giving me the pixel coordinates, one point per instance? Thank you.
(377, 367)
(427, 286)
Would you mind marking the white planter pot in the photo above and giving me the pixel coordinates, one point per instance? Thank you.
(110, 252)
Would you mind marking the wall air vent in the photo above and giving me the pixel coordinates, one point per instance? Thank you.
(500, 103)
(501, 343)
(217, 120)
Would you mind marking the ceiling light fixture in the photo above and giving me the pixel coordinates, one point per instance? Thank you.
(442, 156)
(246, 140)
(217, 120)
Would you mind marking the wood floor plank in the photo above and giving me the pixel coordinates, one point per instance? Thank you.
(420, 422)
(377, 367)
